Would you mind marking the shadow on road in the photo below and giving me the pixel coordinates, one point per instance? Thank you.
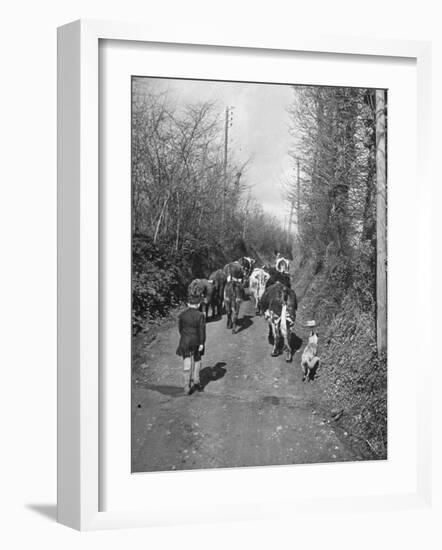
(207, 375)
(295, 342)
(312, 374)
(214, 318)
(244, 323)
(210, 374)
(172, 391)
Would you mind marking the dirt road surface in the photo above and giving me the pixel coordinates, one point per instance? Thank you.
(254, 410)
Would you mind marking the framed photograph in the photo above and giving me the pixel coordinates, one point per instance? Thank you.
(227, 316)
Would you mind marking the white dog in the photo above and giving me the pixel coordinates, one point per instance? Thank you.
(309, 359)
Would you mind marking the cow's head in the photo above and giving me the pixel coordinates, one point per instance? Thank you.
(247, 264)
(282, 265)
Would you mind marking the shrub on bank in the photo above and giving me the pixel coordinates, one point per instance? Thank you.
(340, 296)
(161, 274)
(157, 284)
(355, 377)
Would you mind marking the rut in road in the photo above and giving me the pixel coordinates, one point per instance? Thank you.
(254, 410)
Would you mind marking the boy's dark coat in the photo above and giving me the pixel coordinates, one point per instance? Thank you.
(192, 327)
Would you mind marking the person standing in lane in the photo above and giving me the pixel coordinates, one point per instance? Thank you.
(192, 329)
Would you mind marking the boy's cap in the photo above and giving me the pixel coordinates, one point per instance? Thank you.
(195, 292)
(193, 299)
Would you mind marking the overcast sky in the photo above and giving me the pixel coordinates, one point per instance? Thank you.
(259, 130)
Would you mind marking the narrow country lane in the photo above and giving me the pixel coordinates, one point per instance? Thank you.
(254, 410)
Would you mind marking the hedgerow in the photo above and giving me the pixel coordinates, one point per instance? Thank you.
(341, 299)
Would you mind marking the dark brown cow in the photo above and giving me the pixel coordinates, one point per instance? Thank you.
(218, 279)
(234, 271)
(233, 295)
(205, 288)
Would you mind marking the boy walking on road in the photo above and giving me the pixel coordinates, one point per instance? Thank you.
(192, 329)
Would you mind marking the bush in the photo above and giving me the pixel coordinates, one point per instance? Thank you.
(356, 378)
(161, 275)
(157, 284)
(364, 276)
(340, 296)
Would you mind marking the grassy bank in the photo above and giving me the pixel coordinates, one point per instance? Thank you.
(339, 296)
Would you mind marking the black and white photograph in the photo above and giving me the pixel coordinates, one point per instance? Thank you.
(225, 221)
(259, 274)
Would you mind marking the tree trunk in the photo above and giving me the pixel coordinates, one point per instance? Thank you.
(368, 222)
(178, 223)
(160, 218)
(381, 213)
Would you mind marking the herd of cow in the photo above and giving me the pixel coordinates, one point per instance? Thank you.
(270, 288)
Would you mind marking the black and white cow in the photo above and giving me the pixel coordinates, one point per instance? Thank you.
(277, 277)
(282, 264)
(257, 285)
(280, 304)
(247, 265)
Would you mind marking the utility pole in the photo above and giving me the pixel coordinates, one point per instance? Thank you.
(227, 124)
(298, 198)
(292, 205)
(381, 223)
(246, 216)
(289, 232)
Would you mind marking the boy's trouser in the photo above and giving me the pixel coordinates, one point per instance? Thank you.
(191, 372)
